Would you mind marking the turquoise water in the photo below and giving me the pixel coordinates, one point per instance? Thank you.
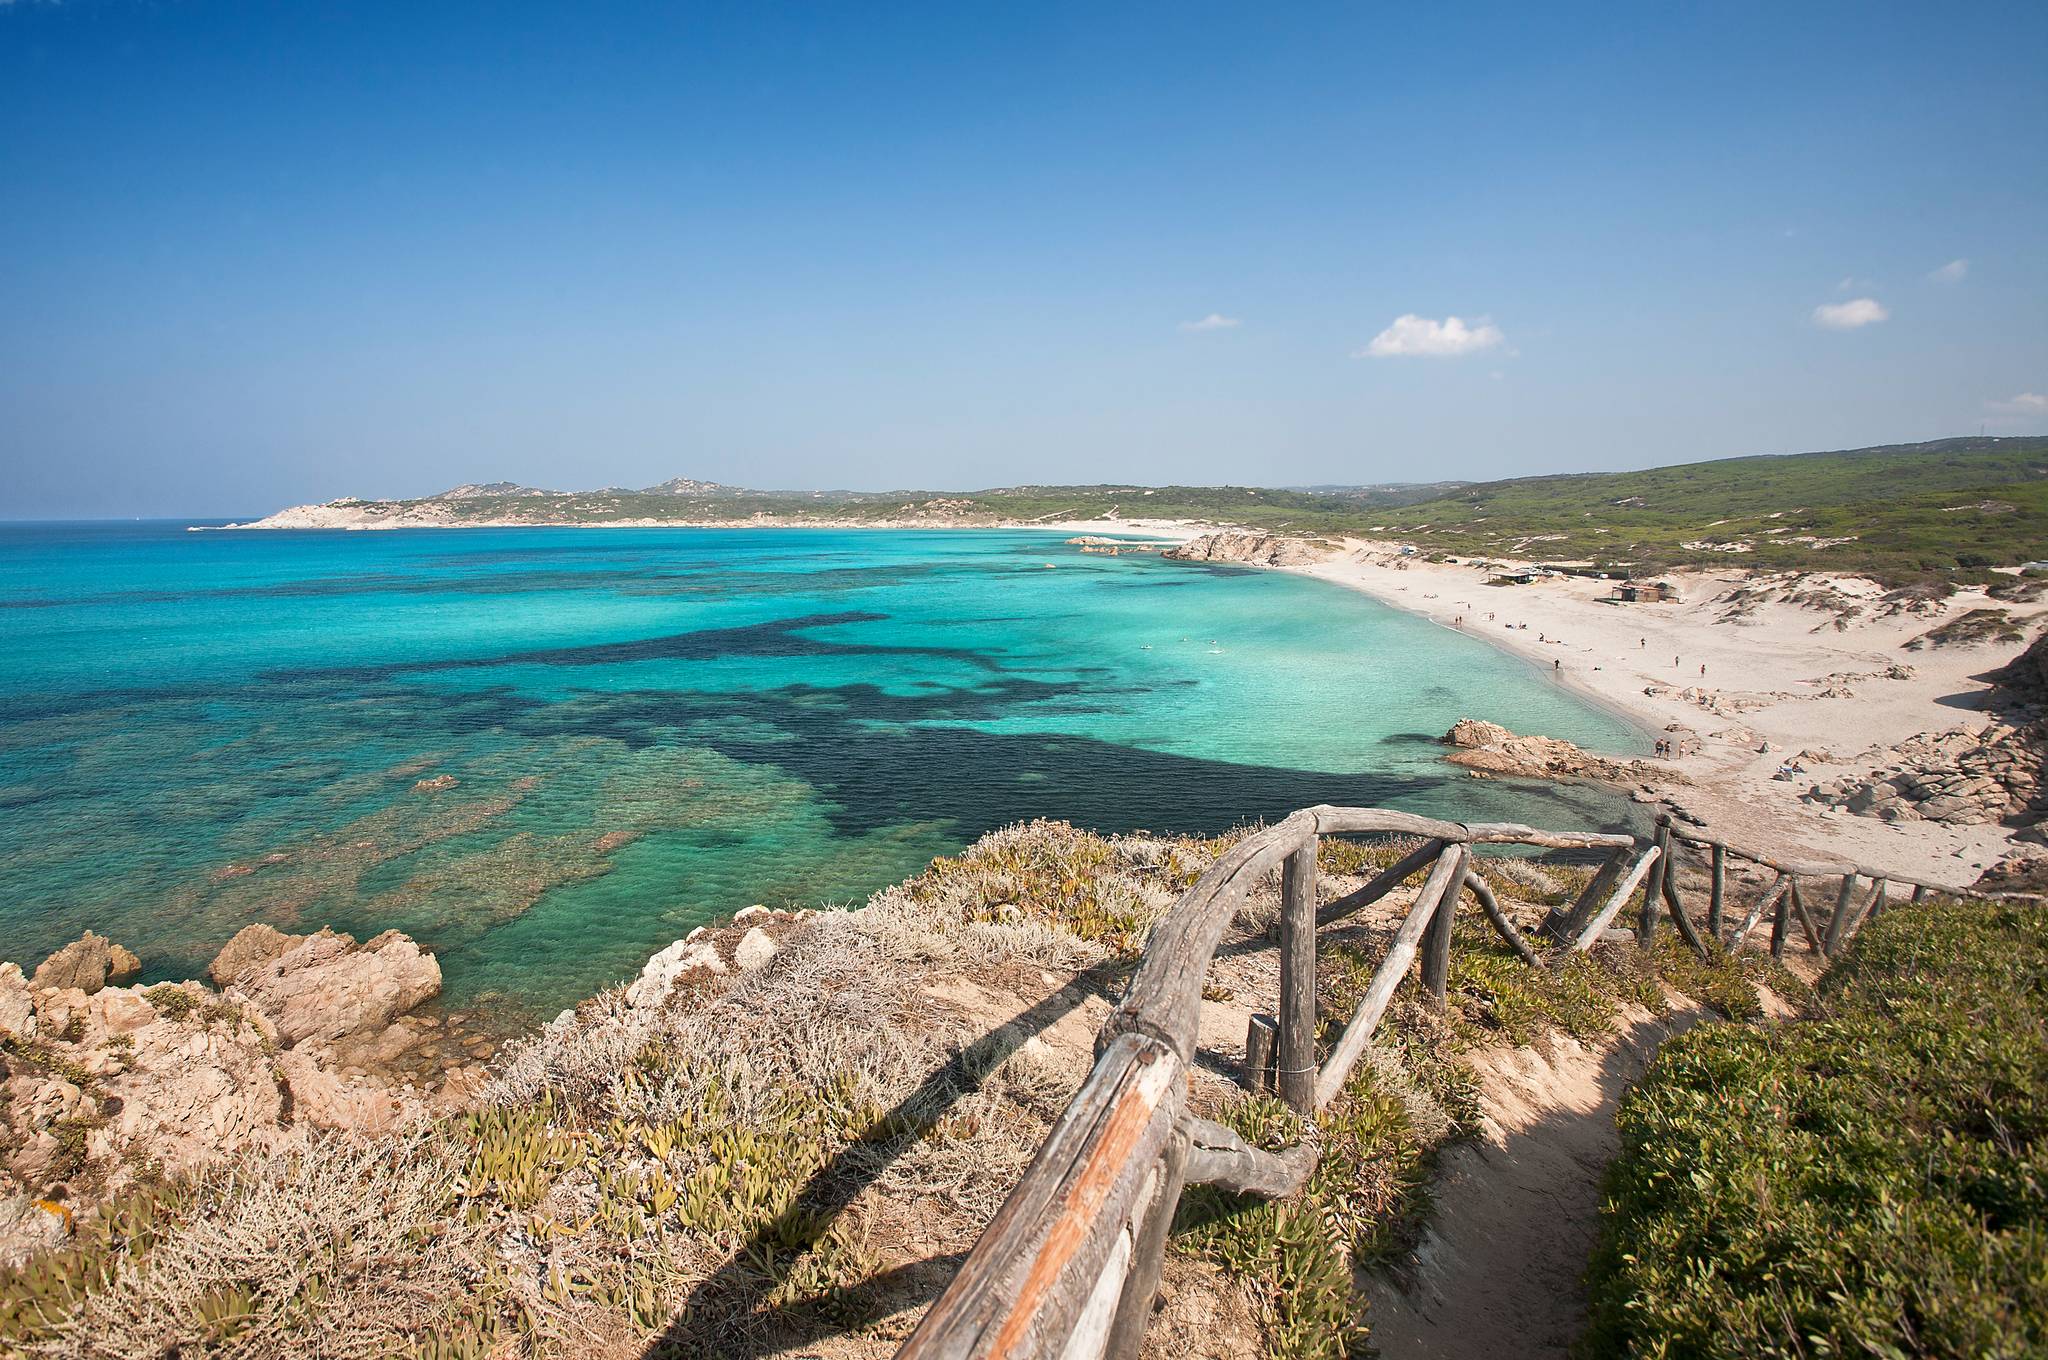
(647, 729)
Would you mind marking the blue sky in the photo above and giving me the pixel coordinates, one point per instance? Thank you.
(253, 254)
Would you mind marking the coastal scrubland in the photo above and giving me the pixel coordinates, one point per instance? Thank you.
(1869, 1181)
(784, 1145)
(1901, 513)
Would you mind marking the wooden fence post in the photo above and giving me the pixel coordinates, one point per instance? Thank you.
(1148, 1257)
(1491, 906)
(1783, 919)
(1805, 918)
(1720, 856)
(1295, 1061)
(1436, 941)
(1653, 890)
(1379, 993)
(1564, 924)
(1261, 1037)
(1840, 920)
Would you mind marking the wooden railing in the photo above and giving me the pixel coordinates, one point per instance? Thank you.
(1070, 1264)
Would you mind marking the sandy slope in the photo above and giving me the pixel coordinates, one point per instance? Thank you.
(1767, 673)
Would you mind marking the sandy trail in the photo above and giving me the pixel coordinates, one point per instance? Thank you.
(1515, 1211)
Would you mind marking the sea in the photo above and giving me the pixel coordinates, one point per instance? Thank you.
(546, 753)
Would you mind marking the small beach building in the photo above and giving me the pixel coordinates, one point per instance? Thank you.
(1651, 592)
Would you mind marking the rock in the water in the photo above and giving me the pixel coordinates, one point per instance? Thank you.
(1239, 545)
(327, 987)
(87, 963)
(252, 947)
(1489, 747)
(123, 966)
(1471, 733)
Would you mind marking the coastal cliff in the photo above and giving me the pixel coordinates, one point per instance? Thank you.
(1250, 547)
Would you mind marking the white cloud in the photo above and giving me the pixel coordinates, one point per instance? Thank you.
(1214, 321)
(2025, 404)
(1847, 316)
(1417, 336)
(1955, 271)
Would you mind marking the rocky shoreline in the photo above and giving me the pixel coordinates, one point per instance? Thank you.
(107, 1086)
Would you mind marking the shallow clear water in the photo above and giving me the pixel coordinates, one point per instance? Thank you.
(648, 729)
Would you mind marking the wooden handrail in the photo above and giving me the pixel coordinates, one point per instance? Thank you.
(1070, 1264)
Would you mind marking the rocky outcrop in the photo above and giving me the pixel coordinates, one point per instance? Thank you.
(251, 948)
(2024, 679)
(2025, 870)
(708, 953)
(87, 963)
(326, 986)
(1959, 777)
(1492, 749)
(100, 1083)
(1250, 547)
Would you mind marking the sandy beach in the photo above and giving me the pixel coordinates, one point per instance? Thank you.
(1783, 682)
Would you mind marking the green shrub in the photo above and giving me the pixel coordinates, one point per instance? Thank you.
(1873, 1183)
(171, 1000)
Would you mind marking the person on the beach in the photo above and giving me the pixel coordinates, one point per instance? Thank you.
(1703, 668)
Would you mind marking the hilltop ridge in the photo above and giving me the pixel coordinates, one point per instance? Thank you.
(1898, 510)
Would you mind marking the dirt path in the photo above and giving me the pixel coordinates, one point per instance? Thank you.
(1514, 1216)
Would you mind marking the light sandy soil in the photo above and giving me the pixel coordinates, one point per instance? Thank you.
(1767, 674)
(1515, 1211)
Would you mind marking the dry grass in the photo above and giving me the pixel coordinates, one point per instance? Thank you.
(292, 1256)
(788, 1160)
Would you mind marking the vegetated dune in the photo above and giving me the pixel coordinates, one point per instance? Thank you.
(784, 1135)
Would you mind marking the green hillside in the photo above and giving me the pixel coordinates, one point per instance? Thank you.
(1901, 510)
(1904, 512)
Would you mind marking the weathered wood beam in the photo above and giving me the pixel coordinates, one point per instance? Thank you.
(1218, 1157)
(1514, 833)
(1680, 919)
(1653, 891)
(1806, 924)
(1827, 868)
(1777, 888)
(1839, 922)
(1618, 898)
(1349, 820)
(1872, 906)
(1380, 992)
(1488, 903)
(1383, 883)
(1165, 994)
(1295, 1059)
(1567, 923)
(1148, 1254)
(1042, 1258)
(1718, 891)
(1436, 941)
(1261, 1038)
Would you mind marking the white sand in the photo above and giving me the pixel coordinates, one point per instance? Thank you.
(1614, 652)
